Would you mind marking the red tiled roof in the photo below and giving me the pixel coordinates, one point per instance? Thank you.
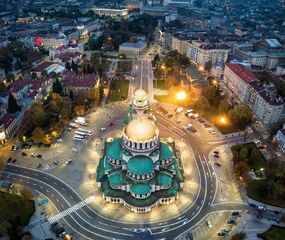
(21, 83)
(245, 74)
(67, 56)
(42, 66)
(6, 120)
(79, 80)
(63, 47)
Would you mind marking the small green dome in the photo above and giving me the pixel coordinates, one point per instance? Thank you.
(140, 165)
(140, 188)
(114, 149)
(165, 151)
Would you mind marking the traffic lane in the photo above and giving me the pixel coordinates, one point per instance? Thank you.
(61, 204)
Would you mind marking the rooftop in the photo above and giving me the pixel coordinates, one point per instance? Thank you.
(70, 78)
(140, 165)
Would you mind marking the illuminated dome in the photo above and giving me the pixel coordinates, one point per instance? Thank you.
(141, 129)
(140, 99)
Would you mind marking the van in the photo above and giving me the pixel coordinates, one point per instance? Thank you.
(179, 110)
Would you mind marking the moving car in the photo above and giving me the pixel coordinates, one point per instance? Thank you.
(209, 224)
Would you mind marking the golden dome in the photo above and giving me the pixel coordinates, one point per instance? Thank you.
(141, 129)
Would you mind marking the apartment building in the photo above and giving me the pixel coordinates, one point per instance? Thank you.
(263, 100)
(202, 52)
(180, 44)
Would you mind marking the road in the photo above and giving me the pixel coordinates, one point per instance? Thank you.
(91, 225)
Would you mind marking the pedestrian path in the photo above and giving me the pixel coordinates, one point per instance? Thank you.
(70, 210)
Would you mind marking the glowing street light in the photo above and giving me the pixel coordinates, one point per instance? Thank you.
(223, 120)
(181, 95)
(163, 67)
(214, 81)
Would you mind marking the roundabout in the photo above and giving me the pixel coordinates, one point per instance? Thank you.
(79, 202)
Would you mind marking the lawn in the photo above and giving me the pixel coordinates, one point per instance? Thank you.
(124, 66)
(118, 90)
(254, 193)
(258, 161)
(14, 210)
(273, 233)
(159, 84)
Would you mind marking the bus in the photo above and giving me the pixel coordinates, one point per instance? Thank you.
(80, 133)
(78, 137)
(88, 132)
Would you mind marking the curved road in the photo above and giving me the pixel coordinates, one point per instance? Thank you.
(90, 225)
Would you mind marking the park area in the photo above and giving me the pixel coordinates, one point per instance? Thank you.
(15, 212)
(273, 233)
(118, 90)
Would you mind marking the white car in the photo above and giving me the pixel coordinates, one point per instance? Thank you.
(59, 140)
(103, 129)
(74, 149)
(69, 161)
(179, 110)
(209, 224)
(189, 111)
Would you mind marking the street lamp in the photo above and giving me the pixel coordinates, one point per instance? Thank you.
(181, 95)
(223, 120)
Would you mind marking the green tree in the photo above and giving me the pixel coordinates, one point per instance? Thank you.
(3, 87)
(56, 87)
(243, 154)
(254, 154)
(241, 169)
(34, 75)
(12, 105)
(10, 77)
(5, 227)
(224, 106)
(212, 94)
(202, 105)
(236, 158)
(38, 135)
(208, 66)
(241, 116)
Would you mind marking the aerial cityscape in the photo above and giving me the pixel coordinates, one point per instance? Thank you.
(142, 119)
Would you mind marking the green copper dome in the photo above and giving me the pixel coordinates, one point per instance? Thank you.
(114, 149)
(140, 165)
(165, 151)
(140, 188)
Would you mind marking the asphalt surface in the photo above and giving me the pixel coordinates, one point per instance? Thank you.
(90, 225)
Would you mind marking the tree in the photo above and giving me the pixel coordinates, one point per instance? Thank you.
(243, 153)
(10, 77)
(212, 94)
(56, 87)
(67, 66)
(236, 158)
(202, 105)
(241, 116)
(3, 86)
(71, 95)
(254, 154)
(79, 110)
(56, 104)
(38, 135)
(34, 75)
(208, 66)
(241, 168)
(12, 105)
(44, 73)
(224, 106)
(26, 193)
(37, 115)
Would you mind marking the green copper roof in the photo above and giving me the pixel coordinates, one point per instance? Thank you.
(165, 151)
(163, 179)
(117, 178)
(126, 120)
(140, 165)
(114, 149)
(140, 188)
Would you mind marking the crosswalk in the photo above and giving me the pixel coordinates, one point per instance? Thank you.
(70, 210)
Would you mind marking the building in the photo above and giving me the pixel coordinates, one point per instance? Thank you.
(50, 41)
(139, 170)
(280, 138)
(201, 52)
(78, 83)
(47, 67)
(7, 127)
(263, 100)
(133, 48)
(2, 74)
(113, 12)
(180, 44)
(178, 3)
(268, 54)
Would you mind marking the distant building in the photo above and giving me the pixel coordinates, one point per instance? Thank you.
(280, 138)
(48, 67)
(178, 3)
(267, 106)
(113, 12)
(133, 48)
(50, 41)
(269, 53)
(78, 83)
(180, 44)
(202, 52)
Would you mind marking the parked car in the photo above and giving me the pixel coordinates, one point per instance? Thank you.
(33, 155)
(39, 156)
(209, 224)
(24, 154)
(179, 110)
(216, 156)
(221, 234)
(14, 160)
(235, 213)
(9, 159)
(59, 140)
(218, 164)
(40, 165)
(216, 152)
(55, 162)
(231, 221)
(69, 161)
